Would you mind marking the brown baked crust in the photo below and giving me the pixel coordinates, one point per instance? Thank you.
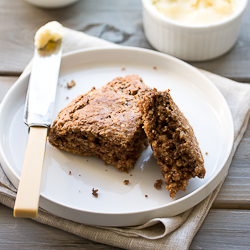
(105, 123)
(172, 140)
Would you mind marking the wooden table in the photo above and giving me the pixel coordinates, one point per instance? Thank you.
(227, 225)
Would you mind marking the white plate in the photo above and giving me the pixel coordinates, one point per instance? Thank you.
(70, 196)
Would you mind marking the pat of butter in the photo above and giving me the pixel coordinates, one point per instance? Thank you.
(51, 31)
(197, 12)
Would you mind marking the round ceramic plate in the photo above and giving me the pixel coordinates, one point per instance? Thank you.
(70, 195)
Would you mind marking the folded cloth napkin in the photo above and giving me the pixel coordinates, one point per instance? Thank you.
(160, 233)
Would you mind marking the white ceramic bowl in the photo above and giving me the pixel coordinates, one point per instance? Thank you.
(51, 4)
(191, 42)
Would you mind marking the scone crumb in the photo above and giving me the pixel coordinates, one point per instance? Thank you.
(71, 84)
(126, 182)
(158, 184)
(94, 192)
(67, 97)
(155, 68)
(123, 68)
(69, 172)
(146, 195)
(79, 175)
(206, 153)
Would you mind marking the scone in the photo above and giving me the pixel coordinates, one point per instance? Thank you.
(105, 123)
(172, 140)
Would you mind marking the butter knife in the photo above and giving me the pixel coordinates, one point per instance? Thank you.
(37, 116)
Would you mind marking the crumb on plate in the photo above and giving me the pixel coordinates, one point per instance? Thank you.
(126, 182)
(71, 84)
(158, 184)
(94, 192)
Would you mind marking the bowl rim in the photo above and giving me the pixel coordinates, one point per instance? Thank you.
(147, 6)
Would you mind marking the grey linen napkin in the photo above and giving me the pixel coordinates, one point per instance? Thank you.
(159, 233)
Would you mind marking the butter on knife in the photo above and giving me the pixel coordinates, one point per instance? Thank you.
(52, 31)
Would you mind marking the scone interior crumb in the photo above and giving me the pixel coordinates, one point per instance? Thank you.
(173, 141)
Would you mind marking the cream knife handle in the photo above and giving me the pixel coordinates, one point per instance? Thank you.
(28, 193)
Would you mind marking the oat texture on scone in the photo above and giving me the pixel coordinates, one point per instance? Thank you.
(173, 141)
(105, 122)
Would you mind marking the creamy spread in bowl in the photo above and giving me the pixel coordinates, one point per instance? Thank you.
(197, 12)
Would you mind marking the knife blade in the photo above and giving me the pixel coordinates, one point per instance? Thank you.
(37, 116)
